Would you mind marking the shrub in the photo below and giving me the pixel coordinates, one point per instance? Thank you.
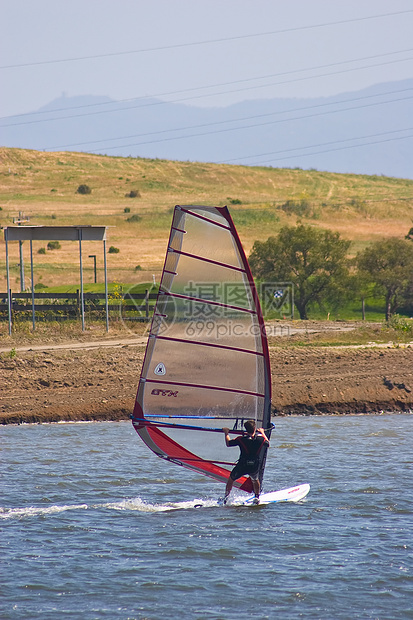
(401, 324)
(133, 194)
(41, 251)
(134, 218)
(235, 201)
(113, 250)
(53, 245)
(301, 208)
(138, 268)
(126, 210)
(83, 189)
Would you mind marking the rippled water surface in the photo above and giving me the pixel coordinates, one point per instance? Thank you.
(95, 526)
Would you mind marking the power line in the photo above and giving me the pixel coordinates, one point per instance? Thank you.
(154, 103)
(219, 84)
(208, 41)
(197, 135)
(313, 146)
(342, 148)
(338, 149)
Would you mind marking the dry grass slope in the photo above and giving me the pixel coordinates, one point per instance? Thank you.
(43, 186)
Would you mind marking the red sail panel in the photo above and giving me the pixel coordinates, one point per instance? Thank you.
(166, 448)
(206, 364)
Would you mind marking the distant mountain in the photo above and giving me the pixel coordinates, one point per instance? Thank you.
(352, 132)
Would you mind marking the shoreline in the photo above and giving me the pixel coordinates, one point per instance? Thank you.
(115, 419)
(99, 383)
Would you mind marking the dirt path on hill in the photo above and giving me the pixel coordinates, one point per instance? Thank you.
(98, 380)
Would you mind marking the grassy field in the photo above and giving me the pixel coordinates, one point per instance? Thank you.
(43, 186)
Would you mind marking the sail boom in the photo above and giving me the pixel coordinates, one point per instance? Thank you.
(145, 421)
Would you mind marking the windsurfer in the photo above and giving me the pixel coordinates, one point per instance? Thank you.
(250, 443)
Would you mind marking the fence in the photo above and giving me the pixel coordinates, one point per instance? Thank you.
(68, 305)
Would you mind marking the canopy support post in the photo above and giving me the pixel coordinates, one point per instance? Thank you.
(106, 286)
(82, 304)
(32, 277)
(6, 238)
(22, 282)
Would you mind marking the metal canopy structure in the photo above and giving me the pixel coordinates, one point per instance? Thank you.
(56, 233)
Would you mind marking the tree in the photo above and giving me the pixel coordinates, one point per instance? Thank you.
(313, 259)
(359, 288)
(389, 266)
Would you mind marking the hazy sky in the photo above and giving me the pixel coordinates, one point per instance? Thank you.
(239, 49)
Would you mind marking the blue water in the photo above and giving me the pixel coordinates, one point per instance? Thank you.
(95, 526)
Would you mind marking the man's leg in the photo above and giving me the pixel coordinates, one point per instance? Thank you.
(228, 488)
(256, 487)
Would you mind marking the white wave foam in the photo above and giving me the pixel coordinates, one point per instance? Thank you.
(144, 506)
(137, 504)
(31, 511)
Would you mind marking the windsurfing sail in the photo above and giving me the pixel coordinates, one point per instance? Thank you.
(206, 364)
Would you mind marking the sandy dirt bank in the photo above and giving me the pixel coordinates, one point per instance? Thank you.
(99, 383)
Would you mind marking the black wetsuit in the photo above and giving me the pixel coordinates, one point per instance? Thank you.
(249, 460)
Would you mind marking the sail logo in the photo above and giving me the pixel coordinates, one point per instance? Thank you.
(157, 392)
(160, 370)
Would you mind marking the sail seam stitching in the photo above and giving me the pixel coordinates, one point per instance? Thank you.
(205, 387)
(207, 301)
(210, 344)
(206, 219)
(206, 260)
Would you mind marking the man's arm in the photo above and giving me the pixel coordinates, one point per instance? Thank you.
(227, 437)
(262, 433)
